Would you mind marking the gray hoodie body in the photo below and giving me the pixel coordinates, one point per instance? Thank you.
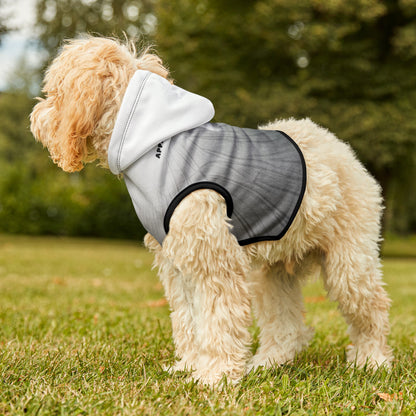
(166, 148)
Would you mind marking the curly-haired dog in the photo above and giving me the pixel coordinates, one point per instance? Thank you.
(224, 238)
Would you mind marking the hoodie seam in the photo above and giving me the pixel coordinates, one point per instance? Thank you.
(133, 109)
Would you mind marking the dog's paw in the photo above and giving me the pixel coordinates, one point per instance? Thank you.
(181, 365)
(216, 371)
(276, 352)
(216, 380)
(370, 357)
(271, 359)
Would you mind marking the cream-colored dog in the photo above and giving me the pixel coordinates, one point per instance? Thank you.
(210, 279)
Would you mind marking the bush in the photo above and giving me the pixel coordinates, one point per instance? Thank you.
(84, 204)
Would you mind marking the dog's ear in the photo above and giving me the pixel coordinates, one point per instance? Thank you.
(67, 117)
(80, 108)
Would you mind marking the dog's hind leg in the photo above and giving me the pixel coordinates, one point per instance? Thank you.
(200, 245)
(278, 306)
(352, 277)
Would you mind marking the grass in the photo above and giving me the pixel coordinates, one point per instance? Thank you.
(84, 330)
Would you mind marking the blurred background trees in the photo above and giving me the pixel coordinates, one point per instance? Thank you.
(3, 22)
(350, 66)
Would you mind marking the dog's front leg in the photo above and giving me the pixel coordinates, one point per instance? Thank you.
(179, 292)
(213, 268)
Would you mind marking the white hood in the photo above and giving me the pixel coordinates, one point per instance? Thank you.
(153, 110)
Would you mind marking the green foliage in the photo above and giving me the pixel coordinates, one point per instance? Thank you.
(35, 196)
(62, 19)
(350, 66)
(52, 202)
(84, 331)
(38, 198)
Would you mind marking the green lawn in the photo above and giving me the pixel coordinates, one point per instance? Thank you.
(84, 330)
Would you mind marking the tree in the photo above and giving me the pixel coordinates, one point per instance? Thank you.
(61, 19)
(4, 28)
(350, 66)
(35, 196)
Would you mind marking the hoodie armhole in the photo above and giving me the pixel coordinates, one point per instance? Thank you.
(192, 188)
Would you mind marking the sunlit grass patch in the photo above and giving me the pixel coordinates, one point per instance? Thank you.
(84, 329)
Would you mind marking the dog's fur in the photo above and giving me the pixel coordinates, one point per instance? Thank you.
(209, 279)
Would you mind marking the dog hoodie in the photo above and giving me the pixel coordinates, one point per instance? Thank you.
(165, 146)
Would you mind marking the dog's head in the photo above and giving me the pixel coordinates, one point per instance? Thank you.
(83, 88)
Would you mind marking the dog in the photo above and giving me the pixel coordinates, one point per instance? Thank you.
(212, 276)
